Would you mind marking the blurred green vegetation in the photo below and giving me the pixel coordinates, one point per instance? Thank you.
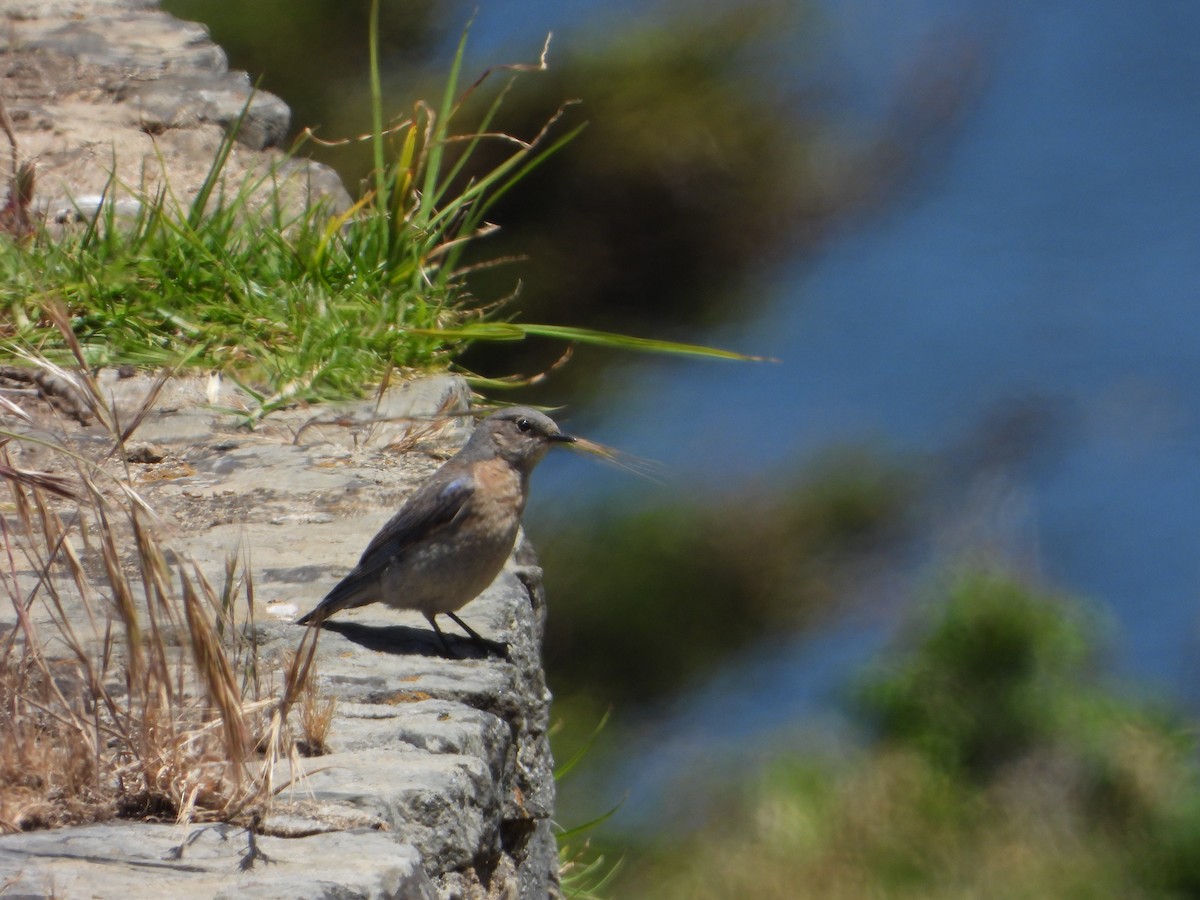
(693, 171)
(999, 767)
(673, 589)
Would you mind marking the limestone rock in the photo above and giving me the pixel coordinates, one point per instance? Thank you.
(126, 861)
(97, 88)
(448, 758)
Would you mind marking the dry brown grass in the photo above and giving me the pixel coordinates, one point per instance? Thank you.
(314, 714)
(129, 685)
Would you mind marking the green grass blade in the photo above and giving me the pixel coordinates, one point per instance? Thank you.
(213, 178)
(593, 823)
(377, 136)
(565, 768)
(441, 129)
(516, 331)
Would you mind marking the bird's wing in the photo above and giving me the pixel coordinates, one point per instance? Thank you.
(429, 510)
(426, 512)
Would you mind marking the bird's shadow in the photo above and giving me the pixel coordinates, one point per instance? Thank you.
(405, 640)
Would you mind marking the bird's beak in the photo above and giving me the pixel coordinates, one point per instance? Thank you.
(563, 438)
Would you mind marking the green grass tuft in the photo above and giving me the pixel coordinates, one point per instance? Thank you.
(303, 306)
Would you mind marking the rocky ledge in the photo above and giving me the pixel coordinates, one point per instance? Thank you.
(441, 766)
(438, 781)
(117, 96)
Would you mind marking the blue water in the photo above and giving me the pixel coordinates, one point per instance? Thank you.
(1047, 258)
(1051, 254)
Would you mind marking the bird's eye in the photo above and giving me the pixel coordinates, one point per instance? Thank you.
(524, 424)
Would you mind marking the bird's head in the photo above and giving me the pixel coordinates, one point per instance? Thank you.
(519, 435)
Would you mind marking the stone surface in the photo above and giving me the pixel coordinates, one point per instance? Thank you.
(129, 860)
(449, 756)
(467, 776)
(97, 88)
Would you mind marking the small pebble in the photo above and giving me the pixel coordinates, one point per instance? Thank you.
(144, 453)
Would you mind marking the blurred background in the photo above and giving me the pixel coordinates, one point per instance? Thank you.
(912, 610)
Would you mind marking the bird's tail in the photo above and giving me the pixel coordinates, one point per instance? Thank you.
(314, 617)
(351, 591)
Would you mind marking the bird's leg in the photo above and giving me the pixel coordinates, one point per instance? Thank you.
(446, 651)
(475, 635)
(480, 641)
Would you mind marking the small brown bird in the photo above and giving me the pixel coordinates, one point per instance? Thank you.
(451, 538)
